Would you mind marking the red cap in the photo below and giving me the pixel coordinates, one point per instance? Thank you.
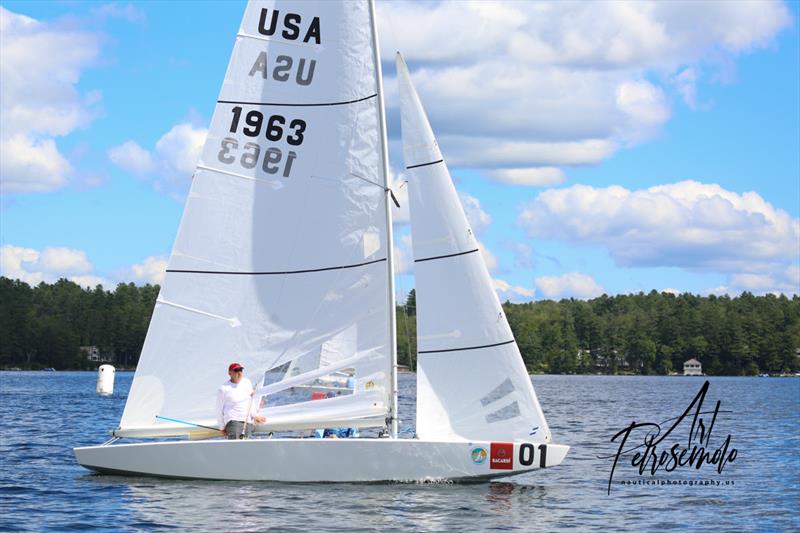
(235, 366)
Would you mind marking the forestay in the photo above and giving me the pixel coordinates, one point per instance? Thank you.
(282, 250)
(471, 381)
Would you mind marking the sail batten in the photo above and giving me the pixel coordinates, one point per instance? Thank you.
(425, 164)
(285, 272)
(446, 256)
(468, 347)
(296, 104)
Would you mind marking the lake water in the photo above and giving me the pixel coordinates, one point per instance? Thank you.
(43, 415)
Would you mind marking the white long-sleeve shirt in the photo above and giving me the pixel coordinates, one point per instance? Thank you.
(233, 402)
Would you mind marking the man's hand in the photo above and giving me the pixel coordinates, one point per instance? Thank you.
(259, 419)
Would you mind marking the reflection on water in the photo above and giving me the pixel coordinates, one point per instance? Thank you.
(44, 415)
(256, 506)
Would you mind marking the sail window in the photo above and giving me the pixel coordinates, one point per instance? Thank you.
(501, 391)
(505, 413)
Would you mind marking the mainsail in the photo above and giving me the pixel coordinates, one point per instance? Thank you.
(284, 248)
(471, 381)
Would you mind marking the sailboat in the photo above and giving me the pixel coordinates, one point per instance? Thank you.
(284, 253)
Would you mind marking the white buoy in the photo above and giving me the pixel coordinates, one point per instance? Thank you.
(105, 379)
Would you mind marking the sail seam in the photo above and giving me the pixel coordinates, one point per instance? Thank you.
(468, 348)
(280, 104)
(445, 256)
(281, 41)
(272, 183)
(341, 267)
(425, 164)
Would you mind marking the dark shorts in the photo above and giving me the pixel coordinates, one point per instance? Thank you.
(233, 430)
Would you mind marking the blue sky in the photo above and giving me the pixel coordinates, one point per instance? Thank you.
(598, 147)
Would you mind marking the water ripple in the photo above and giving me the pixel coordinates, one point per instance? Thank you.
(42, 488)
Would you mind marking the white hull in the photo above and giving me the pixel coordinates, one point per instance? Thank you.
(321, 460)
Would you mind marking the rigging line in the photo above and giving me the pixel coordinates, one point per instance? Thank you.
(441, 256)
(342, 267)
(386, 189)
(187, 423)
(468, 348)
(322, 104)
(424, 164)
(367, 180)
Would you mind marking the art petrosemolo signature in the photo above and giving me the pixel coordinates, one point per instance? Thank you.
(666, 451)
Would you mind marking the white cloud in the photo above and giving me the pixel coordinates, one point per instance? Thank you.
(478, 218)
(403, 256)
(686, 224)
(590, 34)
(685, 82)
(171, 162)
(91, 281)
(542, 84)
(523, 255)
(533, 177)
(132, 157)
(569, 285)
(488, 257)
(49, 265)
(40, 68)
(780, 280)
(54, 262)
(645, 106)
(179, 148)
(717, 291)
(31, 165)
(64, 260)
(118, 10)
(15, 262)
(152, 270)
(515, 293)
(481, 152)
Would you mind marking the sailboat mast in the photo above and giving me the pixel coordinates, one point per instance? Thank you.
(388, 203)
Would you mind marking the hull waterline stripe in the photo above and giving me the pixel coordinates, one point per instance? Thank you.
(443, 256)
(468, 348)
(180, 271)
(425, 164)
(324, 104)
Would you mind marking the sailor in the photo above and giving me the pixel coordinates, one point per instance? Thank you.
(234, 405)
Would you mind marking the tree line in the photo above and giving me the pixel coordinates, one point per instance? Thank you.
(654, 333)
(45, 326)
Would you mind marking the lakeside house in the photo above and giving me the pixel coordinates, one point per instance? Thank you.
(692, 367)
(93, 354)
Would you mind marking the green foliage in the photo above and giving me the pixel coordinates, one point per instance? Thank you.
(44, 326)
(653, 333)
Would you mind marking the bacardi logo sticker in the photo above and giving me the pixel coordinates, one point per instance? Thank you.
(501, 456)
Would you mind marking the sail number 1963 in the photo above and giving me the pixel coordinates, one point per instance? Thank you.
(275, 128)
